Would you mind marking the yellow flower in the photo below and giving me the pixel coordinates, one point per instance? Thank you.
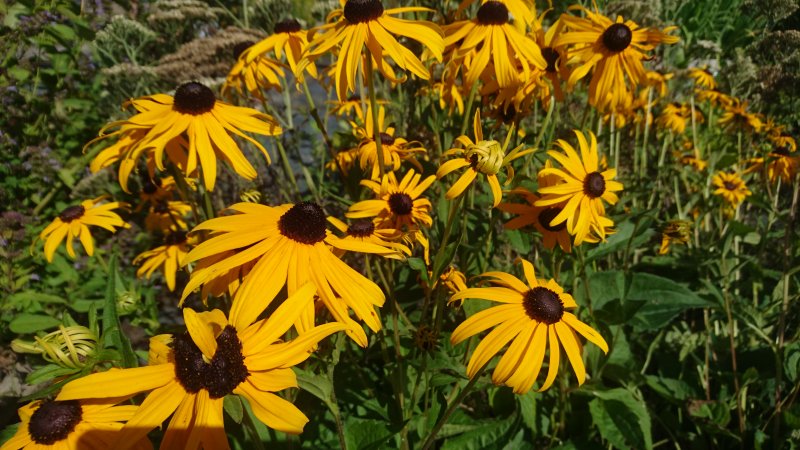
(489, 44)
(583, 187)
(364, 23)
(395, 149)
(529, 317)
(614, 50)
(74, 222)
(730, 187)
(676, 231)
(166, 257)
(714, 97)
(736, 115)
(453, 279)
(167, 216)
(366, 237)
(252, 73)
(206, 122)
(522, 10)
(215, 358)
(72, 425)
(289, 40)
(676, 115)
(398, 205)
(702, 77)
(780, 164)
(540, 217)
(290, 246)
(486, 157)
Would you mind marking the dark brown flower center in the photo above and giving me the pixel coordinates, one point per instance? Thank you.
(150, 185)
(304, 223)
(493, 13)
(358, 11)
(594, 185)
(363, 228)
(552, 56)
(239, 48)
(729, 185)
(220, 376)
(781, 151)
(72, 213)
(617, 37)
(543, 305)
(54, 421)
(386, 139)
(161, 208)
(193, 98)
(176, 238)
(547, 216)
(287, 26)
(401, 203)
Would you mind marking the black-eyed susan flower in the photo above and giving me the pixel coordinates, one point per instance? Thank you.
(155, 189)
(702, 77)
(486, 157)
(216, 357)
(730, 187)
(674, 232)
(288, 41)
(781, 163)
(166, 258)
(453, 279)
(397, 205)
(534, 317)
(290, 245)
(169, 215)
(366, 237)
(72, 425)
(614, 50)
(538, 216)
(252, 73)
(492, 46)
(675, 116)
(715, 97)
(361, 24)
(520, 10)
(556, 57)
(74, 222)
(395, 149)
(582, 186)
(193, 116)
(735, 115)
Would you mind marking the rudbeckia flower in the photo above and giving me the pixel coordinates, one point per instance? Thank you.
(395, 149)
(169, 215)
(290, 246)
(486, 157)
(675, 116)
(74, 222)
(289, 40)
(521, 10)
(613, 50)
(730, 187)
(398, 205)
(781, 163)
(494, 46)
(364, 23)
(538, 216)
(530, 316)
(72, 425)
(582, 186)
(252, 73)
(735, 115)
(215, 358)
(207, 124)
(702, 77)
(166, 257)
(715, 97)
(366, 237)
(675, 232)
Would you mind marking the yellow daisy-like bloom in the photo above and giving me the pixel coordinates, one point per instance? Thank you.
(352, 106)
(529, 317)
(166, 257)
(538, 216)
(486, 157)
(715, 97)
(494, 46)
(74, 222)
(364, 23)
(252, 73)
(398, 205)
(675, 232)
(614, 50)
(370, 239)
(730, 187)
(72, 425)
(395, 149)
(521, 10)
(556, 57)
(289, 40)
(155, 189)
(291, 246)
(453, 279)
(675, 116)
(582, 186)
(167, 216)
(215, 358)
(782, 164)
(702, 77)
(737, 116)
(206, 122)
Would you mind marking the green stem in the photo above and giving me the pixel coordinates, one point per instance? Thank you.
(451, 407)
(286, 166)
(468, 110)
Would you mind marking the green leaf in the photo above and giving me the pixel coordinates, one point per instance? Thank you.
(316, 385)
(30, 323)
(48, 373)
(621, 419)
(418, 264)
(112, 334)
(663, 300)
(366, 434)
(483, 435)
(232, 405)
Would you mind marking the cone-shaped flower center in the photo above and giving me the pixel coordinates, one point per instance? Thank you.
(357, 11)
(386, 139)
(176, 238)
(362, 228)
(221, 375)
(781, 151)
(543, 305)
(547, 216)
(551, 56)
(730, 185)
(239, 48)
(486, 157)
(304, 223)
(161, 207)
(150, 185)
(54, 421)
(287, 26)
(194, 98)
(617, 37)
(72, 213)
(594, 185)
(493, 13)
(401, 203)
